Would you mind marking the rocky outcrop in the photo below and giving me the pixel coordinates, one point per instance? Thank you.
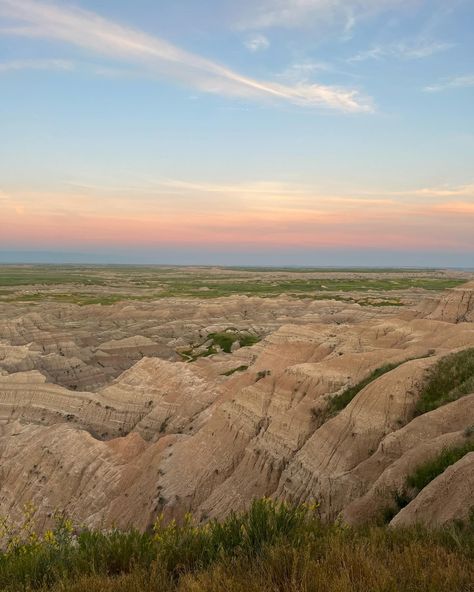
(385, 472)
(157, 434)
(456, 306)
(84, 348)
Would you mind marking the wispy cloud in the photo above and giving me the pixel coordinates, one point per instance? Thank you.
(296, 13)
(433, 193)
(67, 66)
(268, 188)
(88, 30)
(402, 50)
(446, 191)
(305, 71)
(257, 43)
(49, 64)
(465, 81)
(236, 215)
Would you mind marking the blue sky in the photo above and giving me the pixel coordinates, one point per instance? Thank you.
(274, 130)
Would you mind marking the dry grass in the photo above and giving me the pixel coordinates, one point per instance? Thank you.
(274, 547)
(373, 562)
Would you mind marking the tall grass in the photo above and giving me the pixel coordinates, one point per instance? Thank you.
(450, 379)
(271, 547)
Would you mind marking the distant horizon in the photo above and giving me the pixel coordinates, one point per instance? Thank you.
(319, 260)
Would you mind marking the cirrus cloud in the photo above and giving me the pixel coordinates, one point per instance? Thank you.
(257, 43)
(465, 81)
(158, 57)
(297, 13)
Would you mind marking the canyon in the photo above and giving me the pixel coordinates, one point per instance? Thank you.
(117, 413)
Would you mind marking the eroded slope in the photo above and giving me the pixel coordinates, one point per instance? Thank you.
(172, 436)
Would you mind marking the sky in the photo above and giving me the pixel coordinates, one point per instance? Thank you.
(265, 132)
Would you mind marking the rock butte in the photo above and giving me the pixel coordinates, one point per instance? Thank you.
(99, 417)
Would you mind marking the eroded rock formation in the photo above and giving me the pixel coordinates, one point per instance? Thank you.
(99, 417)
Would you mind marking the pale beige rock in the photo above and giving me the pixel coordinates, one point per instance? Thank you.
(144, 433)
(455, 307)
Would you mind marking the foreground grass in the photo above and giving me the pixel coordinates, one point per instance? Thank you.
(272, 547)
(450, 379)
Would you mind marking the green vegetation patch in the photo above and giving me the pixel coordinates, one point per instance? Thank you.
(47, 275)
(366, 301)
(212, 288)
(220, 341)
(76, 298)
(153, 282)
(428, 471)
(272, 547)
(226, 339)
(340, 402)
(450, 379)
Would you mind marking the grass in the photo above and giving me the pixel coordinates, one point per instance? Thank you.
(377, 301)
(273, 547)
(204, 283)
(340, 402)
(76, 298)
(226, 339)
(220, 341)
(310, 287)
(46, 275)
(431, 469)
(425, 473)
(450, 379)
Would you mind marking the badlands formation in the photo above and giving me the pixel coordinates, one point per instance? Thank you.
(113, 413)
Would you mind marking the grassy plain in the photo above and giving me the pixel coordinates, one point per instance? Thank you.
(110, 284)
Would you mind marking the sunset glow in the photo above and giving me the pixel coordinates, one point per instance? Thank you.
(203, 130)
